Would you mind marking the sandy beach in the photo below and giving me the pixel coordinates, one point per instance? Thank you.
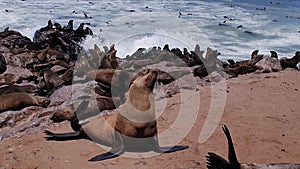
(261, 111)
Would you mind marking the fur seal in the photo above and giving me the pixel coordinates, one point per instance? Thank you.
(113, 79)
(15, 88)
(234, 72)
(134, 127)
(254, 59)
(103, 103)
(215, 161)
(52, 80)
(17, 101)
(2, 64)
(69, 27)
(255, 53)
(269, 63)
(290, 63)
(9, 79)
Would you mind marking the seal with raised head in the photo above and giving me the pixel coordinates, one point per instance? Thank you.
(52, 80)
(215, 161)
(17, 101)
(290, 63)
(133, 127)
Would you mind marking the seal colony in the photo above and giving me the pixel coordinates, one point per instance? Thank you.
(43, 73)
(215, 161)
(134, 127)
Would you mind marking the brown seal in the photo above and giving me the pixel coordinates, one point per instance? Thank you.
(254, 59)
(3, 67)
(15, 88)
(290, 63)
(8, 79)
(133, 127)
(52, 80)
(234, 72)
(17, 101)
(116, 81)
(68, 113)
(215, 161)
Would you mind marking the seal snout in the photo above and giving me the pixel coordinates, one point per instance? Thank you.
(151, 78)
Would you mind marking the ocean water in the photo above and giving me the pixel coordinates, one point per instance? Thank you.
(131, 24)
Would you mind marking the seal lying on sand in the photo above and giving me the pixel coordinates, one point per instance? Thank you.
(216, 162)
(17, 101)
(133, 127)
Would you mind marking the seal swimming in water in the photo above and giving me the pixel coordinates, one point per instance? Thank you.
(214, 161)
(133, 127)
(17, 101)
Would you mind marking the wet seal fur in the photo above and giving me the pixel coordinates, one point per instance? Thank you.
(133, 127)
(215, 161)
(17, 101)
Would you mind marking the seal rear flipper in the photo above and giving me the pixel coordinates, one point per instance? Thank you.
(106, 156)
(63, 136)
(117, 149)
(170, 149)
(215, 161)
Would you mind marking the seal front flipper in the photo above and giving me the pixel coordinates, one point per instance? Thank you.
(117, 149)
(159, 149)
(170, 149)
(63, 136)
(215, 161)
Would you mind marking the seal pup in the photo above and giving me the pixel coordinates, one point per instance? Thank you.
(215, 161)
(17, 101)
(133, 127)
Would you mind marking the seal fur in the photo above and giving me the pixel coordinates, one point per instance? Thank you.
(17, 101)
(15, 88)
(133, 127)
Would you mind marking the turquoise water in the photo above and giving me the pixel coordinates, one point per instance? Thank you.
(128, 23)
